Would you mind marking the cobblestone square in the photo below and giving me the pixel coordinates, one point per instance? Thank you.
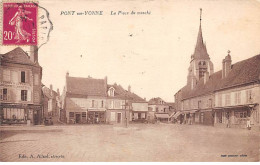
(138, 142)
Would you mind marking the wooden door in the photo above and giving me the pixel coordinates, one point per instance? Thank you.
(78, 118)
(119, 115)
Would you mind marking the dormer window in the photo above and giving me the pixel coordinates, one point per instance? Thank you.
(111, 92)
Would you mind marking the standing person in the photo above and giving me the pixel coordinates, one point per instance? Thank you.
(228, 120)
(248, 124)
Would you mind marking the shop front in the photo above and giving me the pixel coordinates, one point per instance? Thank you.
(139, 116)
(188, 117)
(96, 117)
(235, 116)
(206, 117)
(162, 117)
(20, 114)
(89, 116)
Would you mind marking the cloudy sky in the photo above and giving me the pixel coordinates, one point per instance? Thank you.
(149, 52)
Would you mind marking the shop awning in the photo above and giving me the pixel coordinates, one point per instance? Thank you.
(96, 109)
(162, 115)
(235, 106)
(191, 111)
(177, 114)
(139, 111)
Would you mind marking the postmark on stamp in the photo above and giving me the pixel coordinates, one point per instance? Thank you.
(20, 24)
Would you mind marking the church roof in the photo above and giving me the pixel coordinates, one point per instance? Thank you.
(241, 73)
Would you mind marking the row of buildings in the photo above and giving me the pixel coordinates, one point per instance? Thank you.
(23, 97)
(25, 100)
(89, 100)
(229, 97)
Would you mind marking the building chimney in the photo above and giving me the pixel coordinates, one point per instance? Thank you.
(129, 88)
(51, 90)
(33, 52)
(206, 77)
(223, 68)
(67, 74)
(226, 65)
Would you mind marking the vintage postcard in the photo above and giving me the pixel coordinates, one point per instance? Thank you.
(129, 81)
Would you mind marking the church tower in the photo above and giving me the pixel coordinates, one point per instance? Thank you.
(200, 63)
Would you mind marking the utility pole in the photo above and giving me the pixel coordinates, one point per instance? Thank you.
(126, 122)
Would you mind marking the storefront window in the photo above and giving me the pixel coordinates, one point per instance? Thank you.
(84, 114)
(13, 113)
(241, 114)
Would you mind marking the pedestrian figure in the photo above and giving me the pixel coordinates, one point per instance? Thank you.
(191, 120)
(228, 120)
(248, 124)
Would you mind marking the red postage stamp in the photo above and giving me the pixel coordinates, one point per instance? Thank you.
(20, 24)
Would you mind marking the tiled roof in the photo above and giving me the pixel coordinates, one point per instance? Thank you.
(200, 51)
(242, 72)
(17, 56)
(120, 92)
(156, 100)
(86, 86)
(47, 92)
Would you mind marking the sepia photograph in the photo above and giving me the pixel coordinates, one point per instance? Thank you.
(129, 81)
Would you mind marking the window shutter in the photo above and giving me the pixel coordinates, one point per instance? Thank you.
(1, 94)
(19, 76)
(27, 76)
(1, 74)
(8, 94)
(19, 96)
(29, 95)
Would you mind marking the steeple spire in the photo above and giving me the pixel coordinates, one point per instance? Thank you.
(200, 49)
(200, 15)
(200, 38)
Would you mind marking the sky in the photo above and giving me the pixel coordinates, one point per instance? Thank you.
(149, 52)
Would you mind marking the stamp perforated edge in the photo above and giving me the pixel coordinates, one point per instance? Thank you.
(2, 15)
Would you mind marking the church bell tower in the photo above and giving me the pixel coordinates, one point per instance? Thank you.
(200, 63)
